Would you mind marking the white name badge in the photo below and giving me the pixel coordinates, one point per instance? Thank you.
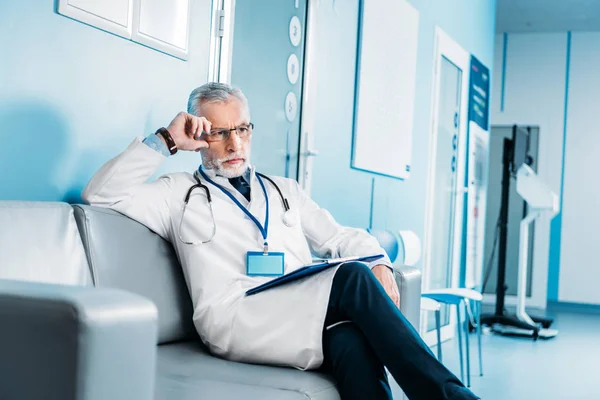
(260, 264)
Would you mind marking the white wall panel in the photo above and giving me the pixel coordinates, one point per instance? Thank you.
(534, 95)
(496, 89)
(579, 272)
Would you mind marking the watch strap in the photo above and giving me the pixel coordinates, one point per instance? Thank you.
(168, 140)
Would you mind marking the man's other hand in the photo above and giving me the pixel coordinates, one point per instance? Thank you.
(385, 276)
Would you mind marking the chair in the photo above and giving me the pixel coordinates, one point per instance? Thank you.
(456, 296)
(432, 305)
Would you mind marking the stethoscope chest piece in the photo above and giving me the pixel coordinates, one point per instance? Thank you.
(290, 218)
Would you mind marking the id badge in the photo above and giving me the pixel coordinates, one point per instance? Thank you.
(260, 264)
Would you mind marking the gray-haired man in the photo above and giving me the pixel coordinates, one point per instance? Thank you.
(345, 319)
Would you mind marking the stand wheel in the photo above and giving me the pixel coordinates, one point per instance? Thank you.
(536, 334)
(546, 324)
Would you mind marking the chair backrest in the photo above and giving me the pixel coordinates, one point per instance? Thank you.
(403, 247)
(388, 241)
(124, 254)
(39, 241)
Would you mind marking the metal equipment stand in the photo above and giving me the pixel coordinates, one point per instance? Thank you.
(500, 321)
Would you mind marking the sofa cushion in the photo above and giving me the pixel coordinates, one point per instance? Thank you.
(39, 241)
(125, 254)
(187, 371)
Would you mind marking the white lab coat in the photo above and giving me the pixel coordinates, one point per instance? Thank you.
(281, 326)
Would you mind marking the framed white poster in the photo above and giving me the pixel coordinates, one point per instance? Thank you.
(385, 88)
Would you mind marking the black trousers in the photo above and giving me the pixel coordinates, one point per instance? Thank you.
(377, 336)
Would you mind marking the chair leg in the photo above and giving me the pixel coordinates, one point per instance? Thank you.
(460, 351)
(479, 337)
(465, 326)
(438, 328)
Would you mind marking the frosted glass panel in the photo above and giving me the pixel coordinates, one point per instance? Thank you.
(442, 237)
(165, 20)
(111, 10)
(113, 16)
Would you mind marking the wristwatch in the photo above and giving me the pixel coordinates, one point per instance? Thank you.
(168, 140)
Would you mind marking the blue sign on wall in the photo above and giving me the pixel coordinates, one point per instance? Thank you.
(479, 91)
(475, 198)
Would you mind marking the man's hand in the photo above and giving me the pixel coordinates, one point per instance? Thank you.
(185, 129)
(385, 276)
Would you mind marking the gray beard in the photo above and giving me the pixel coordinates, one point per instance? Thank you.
(229, 173)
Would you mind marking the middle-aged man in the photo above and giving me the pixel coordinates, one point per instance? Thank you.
(345, 318)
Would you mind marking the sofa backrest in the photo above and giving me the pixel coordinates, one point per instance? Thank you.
(39, 241)
(124, 254)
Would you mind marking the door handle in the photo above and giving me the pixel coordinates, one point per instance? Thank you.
(310, 153)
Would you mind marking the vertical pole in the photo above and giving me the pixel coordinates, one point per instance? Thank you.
(501, 282)
(459, 329)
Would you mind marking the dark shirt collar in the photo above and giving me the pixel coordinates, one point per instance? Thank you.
(246, 176)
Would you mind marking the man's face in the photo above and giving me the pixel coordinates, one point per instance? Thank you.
(228, 158)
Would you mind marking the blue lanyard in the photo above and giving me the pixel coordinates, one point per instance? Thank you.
(263, 230)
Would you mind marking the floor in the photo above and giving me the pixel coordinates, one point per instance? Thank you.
(565, 367)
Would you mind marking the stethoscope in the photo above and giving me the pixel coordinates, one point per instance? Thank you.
(289, 218)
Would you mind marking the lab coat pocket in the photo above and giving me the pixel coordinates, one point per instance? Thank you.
(220, 320)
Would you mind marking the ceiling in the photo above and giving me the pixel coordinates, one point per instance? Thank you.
(547, 15)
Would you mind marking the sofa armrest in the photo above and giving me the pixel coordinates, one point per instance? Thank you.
(75, 343)
(409, 285)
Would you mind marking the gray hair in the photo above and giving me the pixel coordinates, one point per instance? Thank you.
(213, 92)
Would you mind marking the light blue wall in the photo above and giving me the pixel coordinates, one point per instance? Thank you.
(72, 96)
(347, 193)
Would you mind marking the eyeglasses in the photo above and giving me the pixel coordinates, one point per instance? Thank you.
(218, 135)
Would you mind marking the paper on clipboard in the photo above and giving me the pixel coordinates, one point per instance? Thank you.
(308, 270)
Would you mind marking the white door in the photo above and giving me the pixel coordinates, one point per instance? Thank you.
(446, 183)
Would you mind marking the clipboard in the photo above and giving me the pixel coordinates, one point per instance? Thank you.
(308, 270)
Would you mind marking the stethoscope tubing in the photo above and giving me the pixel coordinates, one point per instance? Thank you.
(200, 185)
